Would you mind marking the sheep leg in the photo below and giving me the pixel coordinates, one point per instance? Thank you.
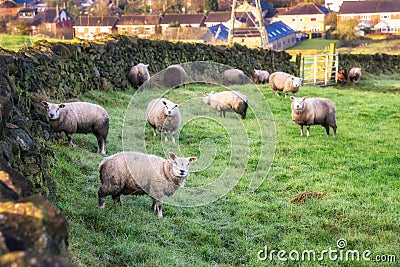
(334, 130)
(308, 130)
(165, 136)
(276, 92)
(102, 198)
(117, 199)
(301, 130)
(173, 136)
(327, 130)
(157, 206)
(101, 143)
(71, 144)
(154, 132)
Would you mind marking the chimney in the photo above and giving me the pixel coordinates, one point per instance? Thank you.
(57, 11)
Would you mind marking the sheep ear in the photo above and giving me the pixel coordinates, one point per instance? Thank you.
(176, 106)
(165, 103)
(61, 106)
(172, 156)
(304, 98)
(292, 98)
(205, 94)
(146, 65)
(192, 159)
(45, 104)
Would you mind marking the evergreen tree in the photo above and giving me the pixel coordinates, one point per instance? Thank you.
(211, 5)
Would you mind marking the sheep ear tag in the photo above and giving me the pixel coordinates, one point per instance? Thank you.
(61, 106)
(192, 159)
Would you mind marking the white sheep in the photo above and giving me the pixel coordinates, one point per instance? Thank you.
(174, 76)
(138, 75)
(163, 115)
(314, 111)
(227, 101)
(233, 76)
(133, 173)
(355, 74)
(79, 117)
(261, 76)
(282, 81)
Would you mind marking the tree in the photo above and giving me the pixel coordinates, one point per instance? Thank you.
(210, 5)
(346, 30)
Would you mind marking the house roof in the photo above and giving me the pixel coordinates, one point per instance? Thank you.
(183, 18)
(89, 21)
(357, 7)
(9, 4)
(306, 9)
(139, 20)
(219, 31)
(47, 16)
(277, 30)
(218, 17)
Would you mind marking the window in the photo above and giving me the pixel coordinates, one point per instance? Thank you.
(365, 17)
(385, 16)
(313, 19)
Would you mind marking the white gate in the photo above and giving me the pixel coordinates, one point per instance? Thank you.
(319, 69)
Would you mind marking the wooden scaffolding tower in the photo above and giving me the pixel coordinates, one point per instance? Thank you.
(241, 7)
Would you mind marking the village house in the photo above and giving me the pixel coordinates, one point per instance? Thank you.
(384, 15)
(48, 21)
(304, 17)
(88, 27)
(140, 25)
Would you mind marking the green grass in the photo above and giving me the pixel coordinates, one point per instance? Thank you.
(16, 42)
(316, 43)
(357, 173)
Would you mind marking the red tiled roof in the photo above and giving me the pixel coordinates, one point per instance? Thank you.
(139, 20)
(357, 7)
(183, 18)
(303, 9)
(96, 21)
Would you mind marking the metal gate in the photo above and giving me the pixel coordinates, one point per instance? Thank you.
(319, 69)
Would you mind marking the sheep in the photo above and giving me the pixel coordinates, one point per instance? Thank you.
(163, 115)
(313, 111)
(233, 76)
(227, 101)
(138, 75)
(342, 76)
(282, 81)
(355, 74)
(79, 117)
(174, 76)
(261, 76)
(133, 173)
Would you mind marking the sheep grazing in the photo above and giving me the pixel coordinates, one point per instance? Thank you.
(227, 101)
(282, 81)
(79, 117)
(132, 173)
(163, 115)
(314, 111)
(233, 76)
(174, 76)
(261, 76)
(138, 75)
(342, 76)
(355, 74)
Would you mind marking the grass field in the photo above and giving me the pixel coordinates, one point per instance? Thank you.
(352, 181)
(16, 42)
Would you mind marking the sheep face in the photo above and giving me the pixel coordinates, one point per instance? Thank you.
(298, 103)
(53, 110)
(169, 110)
(206, 97)
(296, 82)
(180, 166)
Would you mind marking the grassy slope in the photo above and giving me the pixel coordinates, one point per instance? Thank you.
(357, 173)
(16, 42)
